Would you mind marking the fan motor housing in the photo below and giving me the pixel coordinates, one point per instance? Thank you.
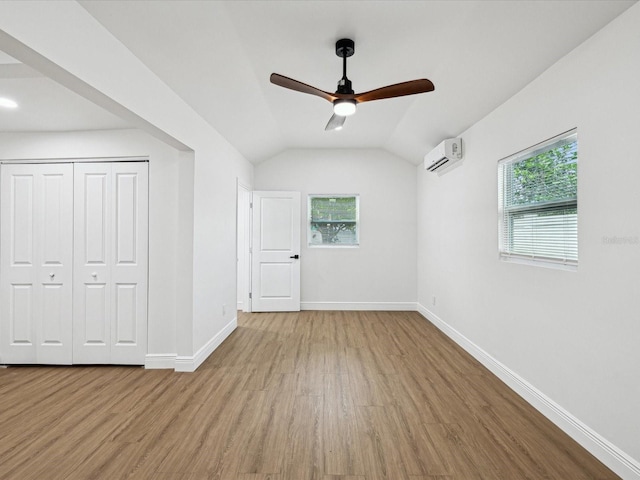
(345, 47)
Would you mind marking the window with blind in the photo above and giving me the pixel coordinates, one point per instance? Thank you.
(333, 221)
(538, 203)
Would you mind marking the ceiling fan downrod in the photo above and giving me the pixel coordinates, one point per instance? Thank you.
(345, 47)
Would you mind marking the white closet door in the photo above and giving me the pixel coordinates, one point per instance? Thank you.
(110, 265)
(36, 250)
(129, 270)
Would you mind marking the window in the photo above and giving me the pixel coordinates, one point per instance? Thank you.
(538, 203)
(333, 221)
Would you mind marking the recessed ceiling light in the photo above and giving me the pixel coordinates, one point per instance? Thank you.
(7, 103)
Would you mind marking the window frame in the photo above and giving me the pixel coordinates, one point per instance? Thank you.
(310, 197)
(505, 252)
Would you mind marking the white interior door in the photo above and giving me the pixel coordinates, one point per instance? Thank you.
(275, 264)
(36, 251)
(110, 263)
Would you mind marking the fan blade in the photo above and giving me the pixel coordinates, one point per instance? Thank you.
(335, 122)
(398, 90)
(292, 84)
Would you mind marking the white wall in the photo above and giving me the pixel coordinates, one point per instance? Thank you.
(65, 42)
(214, 268)
(574, 336)
(163, 208)
(381, 273)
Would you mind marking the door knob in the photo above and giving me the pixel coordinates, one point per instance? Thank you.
(295, 256)
(94, 275)
(51, 275)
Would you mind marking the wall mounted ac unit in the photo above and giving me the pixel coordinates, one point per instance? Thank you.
(445, 154)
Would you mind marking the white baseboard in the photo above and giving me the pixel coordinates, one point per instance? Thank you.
(191, 363)
(380, 306)
(160, 361)
(622, 464)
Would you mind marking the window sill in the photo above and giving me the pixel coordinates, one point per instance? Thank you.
(540, 262)
(319, 245)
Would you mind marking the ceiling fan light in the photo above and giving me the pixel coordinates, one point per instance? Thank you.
(344, 108)
(7, 103)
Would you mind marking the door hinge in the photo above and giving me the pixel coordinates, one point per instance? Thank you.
(251, 205)
(250, 295)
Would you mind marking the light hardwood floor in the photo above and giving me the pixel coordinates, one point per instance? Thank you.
(288, 396)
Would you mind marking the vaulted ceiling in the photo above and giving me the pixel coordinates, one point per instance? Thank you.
(218, 55)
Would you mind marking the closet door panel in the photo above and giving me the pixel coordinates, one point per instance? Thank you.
(125, 333)
(36, 263)
(126, 186)
(21, 326)
(91, 300)
(54, 237)
(95, 220)
(129, 268)
(17, 325)
(110, 311)
(53, 323)
(55, 227)
(20, 190)
(96, 320)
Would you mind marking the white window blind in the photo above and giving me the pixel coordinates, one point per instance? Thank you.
(538, 202)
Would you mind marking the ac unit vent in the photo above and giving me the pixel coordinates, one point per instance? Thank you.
(446, 153)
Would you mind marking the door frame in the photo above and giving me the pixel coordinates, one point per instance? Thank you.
(243, 244)
(76, 160)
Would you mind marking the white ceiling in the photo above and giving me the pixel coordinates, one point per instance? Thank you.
(218, 55)
(45, 105)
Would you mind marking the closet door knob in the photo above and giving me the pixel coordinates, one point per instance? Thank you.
(51, 275)
(94, 275)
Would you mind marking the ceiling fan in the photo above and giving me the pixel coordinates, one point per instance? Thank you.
(344, 100)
